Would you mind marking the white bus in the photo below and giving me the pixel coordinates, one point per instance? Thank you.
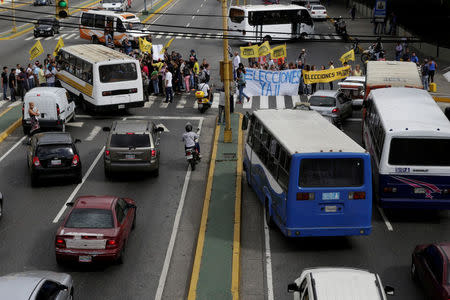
(408, 137)
(252, 23)
(100, 78)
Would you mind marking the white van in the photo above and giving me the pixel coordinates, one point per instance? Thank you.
(338, 283)
(53, 105)
(116, 5)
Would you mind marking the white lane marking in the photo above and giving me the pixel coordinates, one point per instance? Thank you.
(181, 103)
(71, 36)
(188, 24)
(124, 118)
(158, 36)
(264, 102)
(268, 261)
(16, 103)
(164, 104)
(198, 10)
(193, 17)
(12, 148)
(48, 38)
(187, 37)
(93, 133)
(38, 39)
(195, 104)
(295, 99)
(77, 37)
(168, 36)
(327, 37)
(179, 36)
(354, 119)
(385, 219)
(62, 35)
(3, 102)
(336, 37)
(247, 104)
(75, 124)
(201, 5)
(167, 9)
(216, 99)
(197, 37)
(29, 38)
(280, 102)
(173, 236)
(77, 188)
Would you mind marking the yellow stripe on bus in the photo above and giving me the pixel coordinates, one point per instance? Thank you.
(86, 89)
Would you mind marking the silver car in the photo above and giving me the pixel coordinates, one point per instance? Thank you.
(332, 104)
(33, 285)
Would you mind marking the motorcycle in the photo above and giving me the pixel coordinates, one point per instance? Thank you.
(356, 47)
(192, 155)
(370, 54)
(202, 101)
(341, 27)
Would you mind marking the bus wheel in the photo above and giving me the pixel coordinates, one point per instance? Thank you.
(95, 40)
(269, 220)
(303, 35)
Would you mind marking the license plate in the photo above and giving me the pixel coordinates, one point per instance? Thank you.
(419, 191)
(330, 196)
(130, 156)
(189, 156)
(56, 162)
(121, 106)
(331, 208)
(84, 258)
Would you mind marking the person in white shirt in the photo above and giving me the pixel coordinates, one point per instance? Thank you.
(168, 82)
(190, 138)
(236, 62)
(221, 117)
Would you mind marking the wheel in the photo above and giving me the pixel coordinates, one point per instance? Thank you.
(414, 273)
(134, 221)
(155, 173)
(192, 163)
(94, 40)
(84, 106)
(34, 180)
(269, 220)
(35, 35)
(365, 57)
(303, 35)
(59, 261)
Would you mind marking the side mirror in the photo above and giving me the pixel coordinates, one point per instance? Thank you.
(63, 287)
(106, 129)
(160, 129)
(77, 141)
(389, 290)
(129, 205)
(293, 287)
(70, 204)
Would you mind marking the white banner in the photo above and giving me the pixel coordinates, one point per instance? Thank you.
(157, 52)
(272, 83)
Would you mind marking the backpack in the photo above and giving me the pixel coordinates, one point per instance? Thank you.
(186, 71)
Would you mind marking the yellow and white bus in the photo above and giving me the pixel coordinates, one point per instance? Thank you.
(100, 78)
(94, 24)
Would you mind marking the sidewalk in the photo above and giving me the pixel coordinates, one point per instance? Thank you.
(215, 273)
(10, 119)
(364, 27)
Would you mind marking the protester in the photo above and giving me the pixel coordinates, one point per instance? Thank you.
(12, 84)
(5, 83)
(321, 84)
(313, 85)
(240, 73)
(302, 57)
(331, 67)
(50, 75)
(168, 85)
(432, 66)
(357, 71)
(425, 73)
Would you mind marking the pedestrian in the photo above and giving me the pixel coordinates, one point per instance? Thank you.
(168, 84)
(41, 76)
(127, 47)
(5, 83)
(33, 112)
(50, 76)
(221, 116)
(30, 75)
(241, 83)
(398, 51)
(353, 12)
(357, 71)
(414, 58)
(432, 66)
(236, 62)
(187, 75)
(331, 67)
(425, 73)
(145, 85)
(155, 81)
(12, 84)
(302, 57)
(21, 83)
(393, 24)
(321, 84)
(313, 85)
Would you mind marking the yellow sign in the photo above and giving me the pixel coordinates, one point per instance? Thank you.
(36, 50)
(167, 46)
(325, 75)
(59, 45)
(249, 51)
(264, 49)
(350, 55)
(278, 52)
(145, 46)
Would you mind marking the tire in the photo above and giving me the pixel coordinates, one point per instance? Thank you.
(35, 35)
(192, 163)
(414, 276)
(59, 261)
(94, 40)
(155, 173)
(52, 33)
(269, 220)
(303, 35)
(84, 106)
(365, 57)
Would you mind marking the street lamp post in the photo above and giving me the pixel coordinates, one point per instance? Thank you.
(227, 136)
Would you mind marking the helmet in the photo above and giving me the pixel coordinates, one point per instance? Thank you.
(188, 127)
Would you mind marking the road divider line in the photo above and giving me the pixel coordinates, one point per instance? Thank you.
(157, 11)
(77, 188)
(173, 236)
(202, 230)
(268, 255)
(93, 133)
(10, 129)
(235, 271)
(385, 219)
(12, 148)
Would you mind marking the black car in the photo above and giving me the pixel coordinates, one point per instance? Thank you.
(46, 27)
(53, 154)
(42, 2)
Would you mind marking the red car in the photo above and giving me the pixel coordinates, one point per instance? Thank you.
(429, 267)
(96, 229)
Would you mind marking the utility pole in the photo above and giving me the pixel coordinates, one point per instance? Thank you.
(14, 29)
(227, 135)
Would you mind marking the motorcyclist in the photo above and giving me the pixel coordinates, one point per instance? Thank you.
(204, 87)
(378, 48)
(190, 138)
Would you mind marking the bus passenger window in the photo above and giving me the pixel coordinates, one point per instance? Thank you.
(237, 15)
(87, 20)
(99, 21)
(119, 26)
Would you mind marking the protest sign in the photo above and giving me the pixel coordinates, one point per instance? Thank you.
(272, 83)
(326, 75)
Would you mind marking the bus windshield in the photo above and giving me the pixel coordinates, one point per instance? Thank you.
(134, 25)
(419, 152)
(118, 72)
(331, 172)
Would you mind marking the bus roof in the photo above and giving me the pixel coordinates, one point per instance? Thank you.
(302, 131)
(124, 15)
(393, 74)
(268, 7)
(407, 109)
(95, 53)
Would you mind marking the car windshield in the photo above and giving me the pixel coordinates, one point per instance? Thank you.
(419, 152)
(49, 151)
(130, 140)
(134, 26)
(322, 101)
(90, 218)
(118, 72)
(45, 22)
(318, 7)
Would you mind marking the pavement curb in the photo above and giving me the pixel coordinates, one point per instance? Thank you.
(202, 230)
(157, 10)
(10, 129)
(441, 99)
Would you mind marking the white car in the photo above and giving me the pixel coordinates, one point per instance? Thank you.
(353, 88)
(318, 12)
(338, 283)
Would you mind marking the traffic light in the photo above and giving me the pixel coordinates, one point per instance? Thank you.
(62, 8)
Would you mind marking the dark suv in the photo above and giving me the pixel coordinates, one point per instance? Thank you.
(53, 154)
(46, 27)
(132, 146)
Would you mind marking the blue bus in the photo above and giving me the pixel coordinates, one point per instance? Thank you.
(408, 137)
(312, 179)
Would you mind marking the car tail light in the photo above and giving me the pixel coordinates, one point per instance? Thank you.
(111, 244)
(305, 196)
(188, 153)
(356, 195)
(335, 110)
(153, 153)
(60, 242)
(244, 32)
(313, 12)
(390, 190)
(107, 153)
(75, 160)
(36, 161)
(130, 132)
(106, 93)
(131, 91)
(445, 191)
(57, 110)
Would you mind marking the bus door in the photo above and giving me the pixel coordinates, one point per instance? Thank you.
(119, 32)
(303, 24)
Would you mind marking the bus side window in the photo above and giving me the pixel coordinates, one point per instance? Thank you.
(99, 21)
(283, 174)
(250, 134)
(305, 17)
(87, 72)
(119, 26)
(87, 20)
(272, 163)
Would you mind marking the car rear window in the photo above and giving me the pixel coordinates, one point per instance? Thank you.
(90, 218)
(322, 101)
(419, 152)
(331, 172)
(46, 151)
(130, 140)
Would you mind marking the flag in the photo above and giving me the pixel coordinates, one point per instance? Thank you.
(278, 52)
(36, 50)
(264, 49)
(167, 45)
(59, 45)
(145, 46)
(350, 55)
(249, 51)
